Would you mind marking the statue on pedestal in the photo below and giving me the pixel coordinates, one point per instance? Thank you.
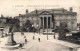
(11, 44)
(11, 41)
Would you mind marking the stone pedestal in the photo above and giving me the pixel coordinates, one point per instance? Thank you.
(11, 44)
(11, 41)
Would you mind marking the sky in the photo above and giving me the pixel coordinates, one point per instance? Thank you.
(14, 7)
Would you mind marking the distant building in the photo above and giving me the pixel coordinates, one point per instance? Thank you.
(2, 21)
(50, 18)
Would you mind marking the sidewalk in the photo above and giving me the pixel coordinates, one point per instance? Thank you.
(65, 43)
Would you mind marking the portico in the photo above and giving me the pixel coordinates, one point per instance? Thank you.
(46, 22)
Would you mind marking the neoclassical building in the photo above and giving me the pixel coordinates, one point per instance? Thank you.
(48, 19)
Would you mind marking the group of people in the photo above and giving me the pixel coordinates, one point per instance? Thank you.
(22, 44)
(26, 39)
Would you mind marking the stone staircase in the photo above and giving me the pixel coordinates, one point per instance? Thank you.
(45, 31)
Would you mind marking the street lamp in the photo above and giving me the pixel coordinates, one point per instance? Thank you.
(47, 32)
(33, 29)
(54, 32)
(38, 29)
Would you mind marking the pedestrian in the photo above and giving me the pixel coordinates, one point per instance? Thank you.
(20, 45)
(39, 39)
(33, 37)
(54, 35)
(25, 40)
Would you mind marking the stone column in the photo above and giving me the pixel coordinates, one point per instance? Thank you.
(47, 24)
(50, 22)
(43, 22)
(40, 22)
(41, 26)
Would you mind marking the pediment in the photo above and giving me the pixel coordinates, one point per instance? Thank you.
(45, 12)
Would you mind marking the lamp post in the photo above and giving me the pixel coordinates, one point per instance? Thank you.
(34, 32)
(38, 29)
(47, 32)
(47, 28)
(55, 28)
(54, 32)
(33, 29)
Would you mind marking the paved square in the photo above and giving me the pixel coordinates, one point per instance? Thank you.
(34, 45)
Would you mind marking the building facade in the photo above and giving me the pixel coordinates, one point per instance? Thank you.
(47, 19)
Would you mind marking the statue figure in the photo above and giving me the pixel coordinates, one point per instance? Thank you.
(10, 29)
(11, 43)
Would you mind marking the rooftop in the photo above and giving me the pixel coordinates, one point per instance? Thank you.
(51, 11)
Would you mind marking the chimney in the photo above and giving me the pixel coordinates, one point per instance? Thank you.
(26, 10)
(36, 11)
(2, 15)
(71, 9)
(19, 15)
